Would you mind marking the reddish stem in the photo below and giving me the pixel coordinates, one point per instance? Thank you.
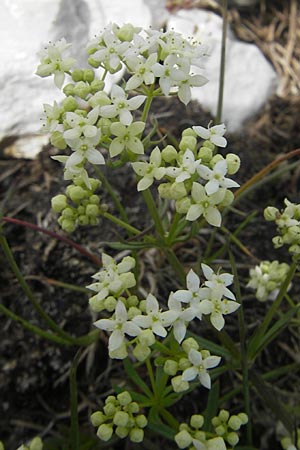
(68, 241)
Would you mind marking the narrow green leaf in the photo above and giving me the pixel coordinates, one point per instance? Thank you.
(134, 376)
(212, 405)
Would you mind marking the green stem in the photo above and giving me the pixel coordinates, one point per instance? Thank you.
(222, 63)
(131, 230)
(74, 438)
(12, 262)
(147, 105)
(153, 212)
(151, 376)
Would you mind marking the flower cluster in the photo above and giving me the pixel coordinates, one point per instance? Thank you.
(288, 226)
(267, 278)
(193, 363)
(121, 416)
(194, 178)
(80, 205)
(225, 430)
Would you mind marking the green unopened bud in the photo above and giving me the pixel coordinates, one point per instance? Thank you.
(142, 306)
(224, 415)
(232, 439)
(146, 337)
(183, 439)
(220, 430)
(97, 418)
(77, 75)
(188, 142)
(76, 193)
(183, 364)
(88, 75)
(165, 191)
(122, 432)
(83, 220)
(121, 418)
(94, 199)
(57, 140)
(189, 344)
(59, 202)
(233, 163)
(215, 159)
(170, 367)
(82, 89)
(133, 408)
(69, 104)
(68, 225)
(178, 191)
(124, 398)
(228, 198)
(93, 62)
(104, 124)
(189, 132)
(197, 421)
(209, 145)
(1, 446)
(92, 210)
(136, 435)
(243, 418)
(36, 443)
(132, 301)
(119, 353)
(205, 154)
(141, 421)
(97, 86)
(110, 303)
(169, 153)
(99, 99)
(132, 312)
(179, 385)
(234, 422)
(277, 241)
(126, 32)
(96, 305)
(105, 432)
(183, 205)
(216, 444)
(271, 213)
(110, 409)
(69, 89)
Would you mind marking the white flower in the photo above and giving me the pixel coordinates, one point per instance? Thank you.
(154, 319)
(218, 282)
(187, 167)
(81, 126)
(184, 316)
(142, 71)
(168, 73)
(53, 118)
(108, 50)
(121, 106)
(217, 308)
(52, 62)
(149, 171)
(119, 326)
(216, 177)
(199, 367)
(205, 205)
(127, 138)
(214, 134)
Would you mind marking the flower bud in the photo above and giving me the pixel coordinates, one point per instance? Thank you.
(97, 86)
(96, 305)
(105, 432)
(69, 104)
(197, 421)
(121, 418)
(183, 364)
(122, 432)
(133, 301)
(88, 75)
(178, 384)
(216, 444)
(92, 210)
(164, 190)
(233, 163)
(205, 154)
(104, 124)
(83, 220)
(169, 153)
(67, 225)
(97, 418)
(109, 409)
(146, 337)
(124, 398)
(224, 415)
(189, 344)
(243, 418)
(82, 89)
(178, 191)
(36, 443)
(119, 353)
(235, 423)
(57, 140)
(141, 352)
(232, 439)
(215, 159)
(170, 367)
(76, 193)
(69, 89)
(228, 198)
(132, 312)
(209, 145)
(183, 205)
(133, 407)
(99, 99)
(126, 32)
(94, 62)
(188, 142)
(183, 439)
(141, 421)
(189, 132)
(271, 213)
(77, 75)
(136, 435)
(220, 430)
(59, 202)
(277, 241)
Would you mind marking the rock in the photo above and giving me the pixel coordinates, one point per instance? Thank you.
(249, 78)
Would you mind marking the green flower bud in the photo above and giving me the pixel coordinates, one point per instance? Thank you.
(93, 62)
(136, 435)
(216, 421)
(82, 89)
(97, 418)
(233, 163)
(76, 193)
(83, 220)
(68, 225)
(36, 443)
(126, 32)
(209, 145)
(132, 312)
(216, 444)
(110, 409)
(224, 415)
(124, 398)
(110, 303)
(271, 213)
(183, 364)
(141, 421)
(122, 432)
(96, 86)
(105, 432)
(111, 399)
(277, 241)
(94, 199)
(197, 421)
(92, 210)
(200, 435)
(228, 198)
(189, 344)
(169, 153)
(232, 439)
(69, 89)
(121, 418)
(178, 191)
(184, 426)
(189, 132)
(104, 124)
(133, 301)
(96, 305)
(164, 190)
(77, 75)
(205, 154)
(179, 385)
(119, 353)
(215, 159)
(59, 202)
(183, 439)
(188, 142)
(88, 75)
(57, 140)
(220, 430)
(99, 99)
(235, 423)
(170, 367)
(133, 407)
(69, 104)
(183, 205)
(142, 306)
(1, 446)
(146, 337)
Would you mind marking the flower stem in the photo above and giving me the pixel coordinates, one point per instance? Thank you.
(222, 64)
(131, 230)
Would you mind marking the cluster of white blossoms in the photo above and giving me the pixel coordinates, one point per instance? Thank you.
(225, 429)
(288, 226)
(267, 278)
(195, 178)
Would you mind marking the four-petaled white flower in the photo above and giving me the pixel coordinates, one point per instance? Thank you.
(199, 367)
(109, 49)
(127, 138)
(52, 62)
(154, 319)
(149, 171)
(119, 325)
(217, 308)
(213, 134)
(217, 282)
(81, 126)
(184, 316)
(187, 167)
(168, 73)
(142, 71)
(192, 295)
(216, 177)
(121, 106)
(205, 205)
